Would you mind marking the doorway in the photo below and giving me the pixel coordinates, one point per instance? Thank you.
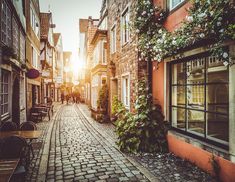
(16, 102)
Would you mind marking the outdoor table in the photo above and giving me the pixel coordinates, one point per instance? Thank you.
(43, 108)
(24, 134)
(7, 168)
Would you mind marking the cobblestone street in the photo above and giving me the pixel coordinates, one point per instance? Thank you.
(74, 147)
(79, 153)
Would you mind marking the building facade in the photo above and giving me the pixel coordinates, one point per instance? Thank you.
(87, 31)
(13, 66)
(58, 65)
(125, 70)
(196, 92)
(47, 56)
(33, 93)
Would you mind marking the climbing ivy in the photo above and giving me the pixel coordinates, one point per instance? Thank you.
(208, 20)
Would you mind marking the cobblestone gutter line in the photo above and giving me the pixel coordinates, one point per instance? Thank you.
(111, 141)
(42, 172)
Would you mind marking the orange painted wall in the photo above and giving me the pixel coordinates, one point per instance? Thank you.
(158, 83)
(201, 158)
(174, 20)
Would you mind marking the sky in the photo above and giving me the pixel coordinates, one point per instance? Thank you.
(66, 14)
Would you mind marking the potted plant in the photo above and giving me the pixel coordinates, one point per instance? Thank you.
(112, 68)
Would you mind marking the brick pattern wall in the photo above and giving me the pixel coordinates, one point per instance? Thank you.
(126, 56)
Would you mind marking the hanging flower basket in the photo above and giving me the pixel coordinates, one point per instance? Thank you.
(112, 68)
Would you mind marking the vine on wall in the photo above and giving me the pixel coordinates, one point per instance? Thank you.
(208, 20)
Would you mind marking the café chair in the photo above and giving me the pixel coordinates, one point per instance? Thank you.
(29, 126)
(8, 126)
(15, 147)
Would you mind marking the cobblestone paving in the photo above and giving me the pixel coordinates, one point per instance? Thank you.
(166, 167)
(38, 148)
(169, 168)
(79, 153)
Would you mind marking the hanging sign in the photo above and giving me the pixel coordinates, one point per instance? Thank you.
(32, 74)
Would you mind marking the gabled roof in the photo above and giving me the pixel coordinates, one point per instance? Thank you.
(45, 24)
(56, 37)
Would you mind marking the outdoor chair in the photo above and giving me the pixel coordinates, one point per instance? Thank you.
(35, 114)
(15, 147)
(29, 126)
(8, 126)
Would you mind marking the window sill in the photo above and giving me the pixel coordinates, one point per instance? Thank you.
(191, 137)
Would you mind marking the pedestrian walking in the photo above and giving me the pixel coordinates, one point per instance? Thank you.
(62, 97)
(67, 98)
(77, 97)
(74, 97)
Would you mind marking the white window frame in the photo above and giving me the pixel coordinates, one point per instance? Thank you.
(34, 21)
(15, 36)
(125, 21)
(126, 90)
(6, 32)
(35, 57)
(113, 33)
(171, 4)
(5, 85)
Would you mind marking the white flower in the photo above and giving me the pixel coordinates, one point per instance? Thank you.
(144, 12)
(174, 42)
(221, 31)
(218, 23)
(160, 31)
(139, 18)
(202, 15)
(189, 18)
(220, 18)
(137, 31)
(212, 13)
(225, 55)
(151, 10)
(226, 63)
(202, 35)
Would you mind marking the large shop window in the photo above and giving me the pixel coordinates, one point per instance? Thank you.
(200, 97)
(5, 78)
(6, 24)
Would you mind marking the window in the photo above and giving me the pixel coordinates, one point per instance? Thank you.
(200, 98)
(104, 53)
(113, 39)
(6, 24)
(174, 3)
(15, 34)
(22, 47)
(126, 91)
(125, 27)
(5, 77)
(35, 58)
(34, 20)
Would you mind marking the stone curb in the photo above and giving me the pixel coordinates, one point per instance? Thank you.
(42, 172)
(142, 169)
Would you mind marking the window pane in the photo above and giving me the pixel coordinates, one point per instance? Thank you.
(219, 74)
(178, 117)
(218, 126)
(195, 70)
(195, 121)
(195, 96)
(178, 96)
(218, 98)
(178, 73)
